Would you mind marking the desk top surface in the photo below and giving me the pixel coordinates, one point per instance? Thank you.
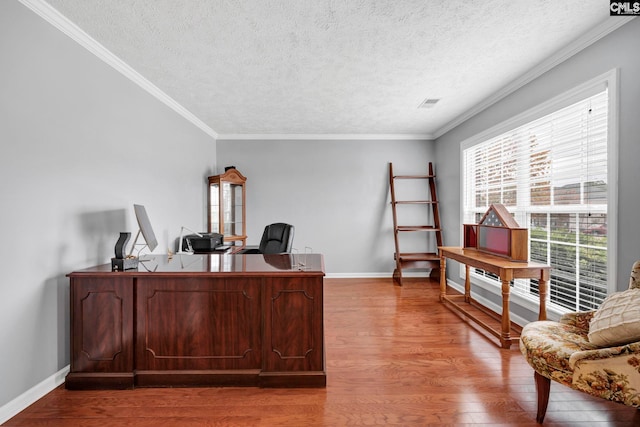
(212, 264)
(494, 260)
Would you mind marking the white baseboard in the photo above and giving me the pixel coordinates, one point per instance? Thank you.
(381, 275)
(30, 396)
(518, 320)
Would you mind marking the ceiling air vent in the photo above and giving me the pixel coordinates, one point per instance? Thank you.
(429, 103)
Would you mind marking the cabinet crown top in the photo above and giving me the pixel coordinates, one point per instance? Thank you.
(232, 175)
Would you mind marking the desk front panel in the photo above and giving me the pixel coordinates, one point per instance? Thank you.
(102, 324)
(198, 323)
(293, 324)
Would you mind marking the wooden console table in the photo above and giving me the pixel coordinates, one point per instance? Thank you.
(506, 270)
(199, 320)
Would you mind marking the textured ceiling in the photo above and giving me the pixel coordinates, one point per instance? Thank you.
(258, 67)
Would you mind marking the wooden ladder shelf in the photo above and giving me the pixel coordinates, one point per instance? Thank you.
(416, 260)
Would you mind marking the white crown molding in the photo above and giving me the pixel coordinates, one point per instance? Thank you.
(581, 43)
(326, 137)
(55, 18)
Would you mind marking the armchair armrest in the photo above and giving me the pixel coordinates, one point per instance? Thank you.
(607, 353)
(579, 320)
(611, 373)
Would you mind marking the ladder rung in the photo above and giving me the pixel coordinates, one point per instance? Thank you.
(415, 202)
(419, 256)
(413, 176)
(417, 228)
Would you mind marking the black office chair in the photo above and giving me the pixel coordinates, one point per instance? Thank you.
(276, 239)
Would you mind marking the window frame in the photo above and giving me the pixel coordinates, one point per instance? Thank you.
(606, 80)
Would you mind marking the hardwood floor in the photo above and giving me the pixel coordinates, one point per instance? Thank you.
(395, 356)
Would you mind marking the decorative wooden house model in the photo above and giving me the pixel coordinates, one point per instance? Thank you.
(498, 234)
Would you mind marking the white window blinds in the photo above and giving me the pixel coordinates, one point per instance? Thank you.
(551, 173)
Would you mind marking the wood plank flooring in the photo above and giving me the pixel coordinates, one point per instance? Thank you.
(395, 356)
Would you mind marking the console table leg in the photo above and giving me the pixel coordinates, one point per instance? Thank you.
(505, 337)
(443, 278)
(467, 283)
(542, 290)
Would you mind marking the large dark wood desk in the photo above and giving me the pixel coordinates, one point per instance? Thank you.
(506, 270)
(219, 320)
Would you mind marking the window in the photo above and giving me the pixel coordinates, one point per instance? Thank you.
(552, 173)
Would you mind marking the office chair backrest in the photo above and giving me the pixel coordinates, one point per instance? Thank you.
(277, 238)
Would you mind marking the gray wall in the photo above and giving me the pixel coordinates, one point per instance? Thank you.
(79, 145)
(614, 51)
(336, 193)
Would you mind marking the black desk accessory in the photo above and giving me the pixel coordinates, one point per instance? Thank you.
(121, 262)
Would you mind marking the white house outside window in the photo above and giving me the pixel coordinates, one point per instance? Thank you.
(552, 173)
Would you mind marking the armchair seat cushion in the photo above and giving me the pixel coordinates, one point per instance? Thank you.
(548, 346)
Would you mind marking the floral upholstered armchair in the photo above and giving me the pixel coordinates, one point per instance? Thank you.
(596, 352)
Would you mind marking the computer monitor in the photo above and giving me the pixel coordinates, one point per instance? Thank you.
(144, 228)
